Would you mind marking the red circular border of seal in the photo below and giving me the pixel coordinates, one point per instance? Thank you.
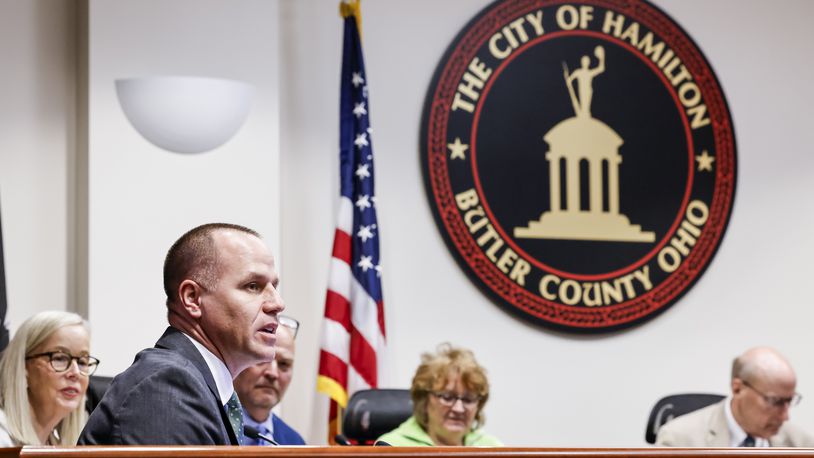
(517, 299)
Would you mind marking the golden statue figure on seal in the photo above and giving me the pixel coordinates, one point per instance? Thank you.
(571, 141)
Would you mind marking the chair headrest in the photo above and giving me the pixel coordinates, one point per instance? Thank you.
(97, 386)
(673, 406)
(371, 413)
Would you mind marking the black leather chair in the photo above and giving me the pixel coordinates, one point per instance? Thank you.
(97, 386)
(371, 413)
(673, 406)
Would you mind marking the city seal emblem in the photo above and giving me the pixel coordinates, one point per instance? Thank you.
(579, 158)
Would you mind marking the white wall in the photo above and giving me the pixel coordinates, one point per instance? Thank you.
(37, 48)
(143, 198)
(279, 175)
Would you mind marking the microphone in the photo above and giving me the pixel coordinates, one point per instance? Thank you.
(342, 440)
(253, 433)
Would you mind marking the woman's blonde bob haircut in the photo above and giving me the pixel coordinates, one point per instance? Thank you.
(14, 382)
(434, 373)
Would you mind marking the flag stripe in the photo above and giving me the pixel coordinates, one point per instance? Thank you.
(380, 308)
(364, 315)
(363, 357)
(345, 215)
(336, 340)
(337, 308)
(356, 382)
(342, 246)
(340, 278)
(334, 368)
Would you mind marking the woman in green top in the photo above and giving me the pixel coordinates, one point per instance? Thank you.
(449, 391)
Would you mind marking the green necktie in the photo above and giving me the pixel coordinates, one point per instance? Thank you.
(235, 412)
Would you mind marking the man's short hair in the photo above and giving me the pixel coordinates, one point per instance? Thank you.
(193, 256)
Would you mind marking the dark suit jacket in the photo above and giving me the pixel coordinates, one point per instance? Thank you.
(167, 397)
(284, 434)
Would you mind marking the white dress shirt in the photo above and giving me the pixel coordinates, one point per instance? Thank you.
(221, 374)
(736, 433)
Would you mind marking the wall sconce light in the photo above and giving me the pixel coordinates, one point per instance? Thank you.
(185, 114)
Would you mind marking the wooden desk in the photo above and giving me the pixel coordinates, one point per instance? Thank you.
(398, 452)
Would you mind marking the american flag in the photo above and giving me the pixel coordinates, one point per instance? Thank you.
(353, 336)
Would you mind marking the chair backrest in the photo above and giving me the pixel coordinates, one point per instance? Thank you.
(97, 386)
(673, 406)
(371, 413)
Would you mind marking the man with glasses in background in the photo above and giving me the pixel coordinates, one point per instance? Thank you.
(754, 415)
(262, 386)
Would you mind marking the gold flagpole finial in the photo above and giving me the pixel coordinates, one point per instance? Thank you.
(348, 8)
(352, 8)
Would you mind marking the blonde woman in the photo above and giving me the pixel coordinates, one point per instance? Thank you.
(449, 391)
(43, 379)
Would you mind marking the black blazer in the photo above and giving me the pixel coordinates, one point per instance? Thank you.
(167, 397)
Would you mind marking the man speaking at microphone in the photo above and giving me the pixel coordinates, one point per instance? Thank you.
(223, 306)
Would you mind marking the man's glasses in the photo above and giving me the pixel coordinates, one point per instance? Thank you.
(290, 323)
(61, 361)
(448, 399)
(776, 401)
